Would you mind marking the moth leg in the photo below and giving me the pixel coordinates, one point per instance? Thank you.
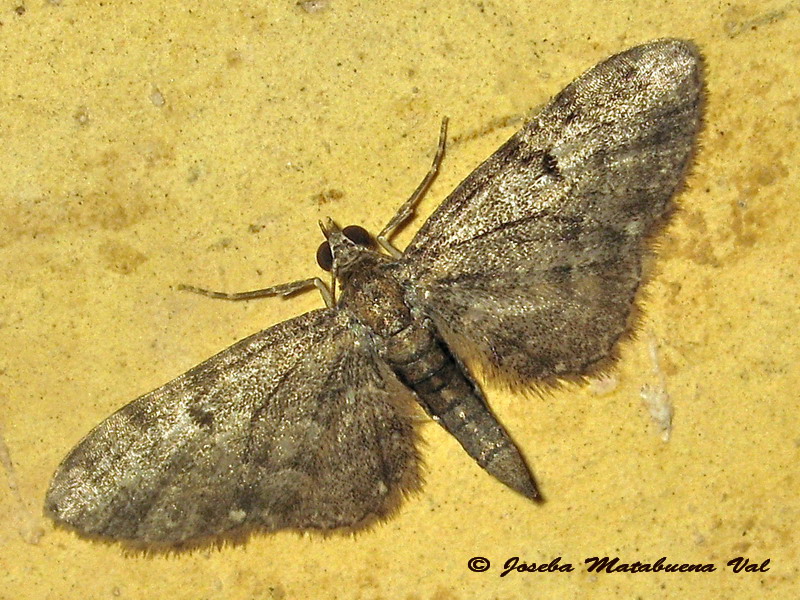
(284, 289)
(408, 206)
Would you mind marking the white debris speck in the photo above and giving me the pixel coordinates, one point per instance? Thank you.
(314, 6)
(157, 98)
(604, 385)
(655, 396)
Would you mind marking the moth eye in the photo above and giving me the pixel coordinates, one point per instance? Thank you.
(358, 235)
(325, 256)
(354, 233)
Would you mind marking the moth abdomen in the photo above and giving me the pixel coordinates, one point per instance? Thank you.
(445, 390)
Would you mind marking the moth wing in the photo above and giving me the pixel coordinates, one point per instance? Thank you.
(296, 426)
(533, 261)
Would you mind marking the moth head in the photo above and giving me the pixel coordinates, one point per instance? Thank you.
(342, 247)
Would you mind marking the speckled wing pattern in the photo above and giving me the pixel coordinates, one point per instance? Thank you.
(532, 263)
(295, 426)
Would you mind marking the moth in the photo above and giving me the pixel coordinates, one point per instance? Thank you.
(529, 268)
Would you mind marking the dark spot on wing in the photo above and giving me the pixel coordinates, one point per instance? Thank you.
(201, 418)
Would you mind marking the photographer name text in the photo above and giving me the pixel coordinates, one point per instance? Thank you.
(607, 564)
